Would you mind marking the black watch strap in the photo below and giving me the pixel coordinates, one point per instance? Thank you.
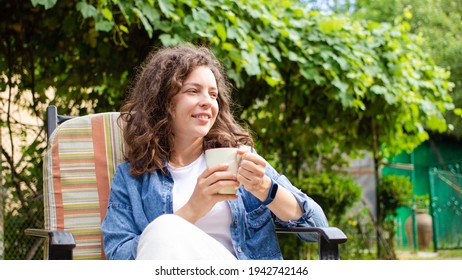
(272, 193)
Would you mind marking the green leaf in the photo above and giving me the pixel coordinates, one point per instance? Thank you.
(199, 14)
(168, 40)
(293, 56)
(342, 86)
(274, 78)
(231, 16)
(86, 9)
(166, 7)
(149, 11)
(436, 123)
(227, 46)
(343, 63)
(144, 21)
(252, 66)
(232, 33)
(46, 3)
(308, 73)
(331, 24)
(221, 32)
(380, 90)
(108, 14)
(104, 25)
(126, 10)
(123, 28)
(275, 52)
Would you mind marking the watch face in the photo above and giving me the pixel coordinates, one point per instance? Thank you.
(271, 194)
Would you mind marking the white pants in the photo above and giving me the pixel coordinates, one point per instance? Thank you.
(170, 237)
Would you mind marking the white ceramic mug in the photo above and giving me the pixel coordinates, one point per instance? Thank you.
(224, 155)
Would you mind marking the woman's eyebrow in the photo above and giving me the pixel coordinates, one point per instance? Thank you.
(196, 84)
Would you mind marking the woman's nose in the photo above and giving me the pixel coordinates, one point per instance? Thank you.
(206, 100)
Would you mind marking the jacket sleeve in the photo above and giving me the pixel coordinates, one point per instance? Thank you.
(120, 233)
(313, 215)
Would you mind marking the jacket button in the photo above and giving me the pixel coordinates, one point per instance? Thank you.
(239, 249)
(235, 222)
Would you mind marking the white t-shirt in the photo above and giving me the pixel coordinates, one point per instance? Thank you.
(217, 222)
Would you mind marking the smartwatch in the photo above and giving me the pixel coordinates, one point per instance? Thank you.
(272, 193)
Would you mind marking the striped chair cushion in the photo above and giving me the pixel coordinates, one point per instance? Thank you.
(80, 161)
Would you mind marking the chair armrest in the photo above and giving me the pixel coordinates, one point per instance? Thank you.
(328, 239)
(60, 243)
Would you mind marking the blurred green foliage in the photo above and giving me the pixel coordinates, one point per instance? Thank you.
(395, 191)
(337, 194)
(439, 23)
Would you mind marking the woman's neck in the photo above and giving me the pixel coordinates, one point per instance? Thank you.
(184, 154)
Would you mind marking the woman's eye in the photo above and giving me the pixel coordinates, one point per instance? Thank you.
(214, 94)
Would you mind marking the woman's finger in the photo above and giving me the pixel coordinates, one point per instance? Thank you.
(214, 168)
(258, 160)
(222, 184)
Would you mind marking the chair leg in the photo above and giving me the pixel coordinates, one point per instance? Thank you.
(61, 245)
(60, 252)
(328, 251)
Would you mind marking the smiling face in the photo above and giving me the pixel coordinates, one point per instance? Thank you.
(196, 106)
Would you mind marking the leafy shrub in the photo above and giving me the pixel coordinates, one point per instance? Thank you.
(336, 193)
(394, 192)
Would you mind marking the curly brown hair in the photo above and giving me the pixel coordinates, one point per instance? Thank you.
(148, 111)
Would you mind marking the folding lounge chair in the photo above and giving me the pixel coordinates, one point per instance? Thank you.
(81, 158)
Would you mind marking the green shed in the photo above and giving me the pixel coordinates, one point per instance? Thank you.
(435, 170)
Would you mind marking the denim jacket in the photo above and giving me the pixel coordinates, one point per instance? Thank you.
(136, 201)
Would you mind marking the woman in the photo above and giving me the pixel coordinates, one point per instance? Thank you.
(164, 201)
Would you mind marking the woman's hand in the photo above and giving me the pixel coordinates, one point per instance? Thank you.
(251, 174)
(206, 195)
